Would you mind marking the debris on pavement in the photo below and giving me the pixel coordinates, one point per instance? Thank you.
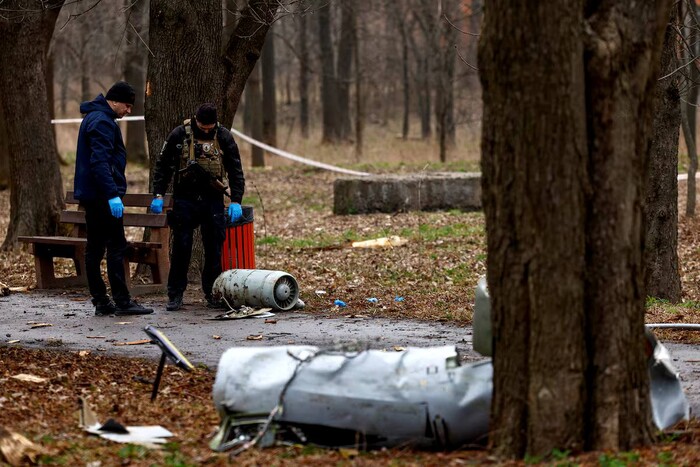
(168, 350)
(244, 312)
(138, 342)
(34, 325)
(340, 303)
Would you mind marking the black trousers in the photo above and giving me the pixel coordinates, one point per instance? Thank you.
(105, 233)
(187, 215)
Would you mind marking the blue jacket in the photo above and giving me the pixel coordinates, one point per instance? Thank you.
(100, 159)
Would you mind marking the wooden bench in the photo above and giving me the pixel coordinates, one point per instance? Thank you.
(154, 253)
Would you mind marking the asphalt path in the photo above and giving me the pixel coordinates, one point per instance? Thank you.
(66, 320)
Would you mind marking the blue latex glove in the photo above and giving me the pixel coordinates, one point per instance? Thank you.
(235, 212)
(157, 205)
(117, 207)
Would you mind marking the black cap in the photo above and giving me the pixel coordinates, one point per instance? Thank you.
(206, 114)
(121, 91)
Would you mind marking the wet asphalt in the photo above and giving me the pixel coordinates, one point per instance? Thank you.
(69, 323)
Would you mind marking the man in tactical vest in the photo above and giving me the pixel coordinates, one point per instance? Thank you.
(202, 155)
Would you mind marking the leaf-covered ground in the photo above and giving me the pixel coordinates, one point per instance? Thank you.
(435, 273)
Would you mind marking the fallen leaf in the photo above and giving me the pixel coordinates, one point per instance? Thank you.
(19, 289)
(348, 453)
(13, 341)
(141, 342)
(41, 325)
(398, 348)
(83, 353)
(121, 323)
(15, 448)
(29, 378)
(270, 321)
(94, 337)
(254, 338)
(216, 337)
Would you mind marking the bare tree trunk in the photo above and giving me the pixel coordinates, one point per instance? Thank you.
(303, 77)
(35, 179)
(692, 166)
(405, 79)
(329, 90)
(689, 107)
(344, 68)
(253, 100)
(85, 72)
(269, 93)
(135, 74)
(444, 91)
(424, 100)
(4, 154)
(661, 277)
(564, 148)
(359, 96)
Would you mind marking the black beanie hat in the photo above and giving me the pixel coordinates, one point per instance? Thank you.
(121, 91)
(206, 114)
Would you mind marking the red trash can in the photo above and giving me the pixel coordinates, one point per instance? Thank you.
(239, 247)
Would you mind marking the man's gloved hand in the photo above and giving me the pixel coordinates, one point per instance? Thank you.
(117, 207)
(235, 212)
(157, 205)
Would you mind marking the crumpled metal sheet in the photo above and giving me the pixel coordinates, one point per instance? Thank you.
(421, 397)
(668, 402)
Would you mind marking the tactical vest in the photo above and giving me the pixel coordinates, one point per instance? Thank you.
(206, 153)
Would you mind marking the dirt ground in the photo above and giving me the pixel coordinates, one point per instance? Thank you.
(424, 293)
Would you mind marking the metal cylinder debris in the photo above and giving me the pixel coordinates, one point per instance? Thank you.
(257, 288)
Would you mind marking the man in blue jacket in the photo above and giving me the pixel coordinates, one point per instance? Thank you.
(99, 184)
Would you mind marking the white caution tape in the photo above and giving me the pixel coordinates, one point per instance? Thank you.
(268, 148)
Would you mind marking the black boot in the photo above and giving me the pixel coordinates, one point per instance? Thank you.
(104, 306)
(174, 303)
(132, 308)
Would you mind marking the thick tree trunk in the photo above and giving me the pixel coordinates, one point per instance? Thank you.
(661, 277)
(269, 92)
(253, 100)
(135, 74)
(329, 89)
(182, 74)
(303, 77)
(35, 179)
(563, 202)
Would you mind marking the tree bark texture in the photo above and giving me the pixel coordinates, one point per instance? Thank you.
(4, 154)
(691, 49)
(661, 276)
(329, 88)
(135, 74)
(444, 47)
(567, 92)
(269, 93)
(35, 180)
(253, 99)
(344, 68)
(303, 76)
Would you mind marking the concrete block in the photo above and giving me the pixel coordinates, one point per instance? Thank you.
(414, 192)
